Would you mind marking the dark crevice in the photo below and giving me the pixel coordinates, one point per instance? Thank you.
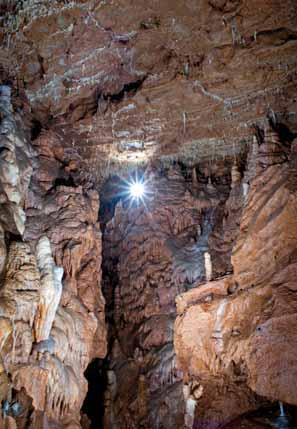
(93, 405)
(280, 35)
(13, 237)
(41, 63)
(36, 128)
(97, 371)
(128, 90)
(285, 134)
(64, 181)
(61, 181)
(109, 199)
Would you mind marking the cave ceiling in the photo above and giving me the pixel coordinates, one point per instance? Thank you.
(129, 82)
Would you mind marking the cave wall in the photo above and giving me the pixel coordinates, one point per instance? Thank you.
(199, 284)
(152, 253)
(223, 246)
(52, 308)
(235, 337)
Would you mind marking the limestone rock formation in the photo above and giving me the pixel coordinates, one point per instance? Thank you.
(175, 310)
(15, 166)
(50, 290)
(178, 80)
(151, 254)
(242, 341)
(49, 329)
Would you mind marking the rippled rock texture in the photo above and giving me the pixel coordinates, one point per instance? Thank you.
(235, 337)
(200, 283)
(127, 82)
(52, 309)
(152, 253)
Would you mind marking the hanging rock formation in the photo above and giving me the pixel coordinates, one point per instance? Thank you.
(50, 290)
(15, 166)
(50, 328)
(126, 83)
(199, 281)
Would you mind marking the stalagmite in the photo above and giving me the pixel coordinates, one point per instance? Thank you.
(245, 188)
(147, 148)
(235, 176)
(190, 406)
(50, 290)
(208, 266)
(194, 177)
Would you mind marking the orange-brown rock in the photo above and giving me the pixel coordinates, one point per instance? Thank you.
(126, 83)
(200, 97)
(152, 252)
(237, 335)
(51, 325)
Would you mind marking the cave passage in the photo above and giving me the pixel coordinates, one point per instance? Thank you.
(93, 405)
(148, 228)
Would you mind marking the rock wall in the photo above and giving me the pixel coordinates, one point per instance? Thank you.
(52, 309)
(152, 253)
(182, 89)
(226, 253)
(234, 337)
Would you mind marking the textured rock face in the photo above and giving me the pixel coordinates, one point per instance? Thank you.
(51, 325)
(50, 290)
(183, 88)
(140, 81)
(152, 253)
(236, 336)
(15, 166)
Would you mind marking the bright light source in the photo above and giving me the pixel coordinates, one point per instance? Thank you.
(137, 190)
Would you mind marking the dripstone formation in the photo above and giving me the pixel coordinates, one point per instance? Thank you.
(178, 310)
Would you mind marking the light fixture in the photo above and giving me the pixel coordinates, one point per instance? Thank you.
(136, 190)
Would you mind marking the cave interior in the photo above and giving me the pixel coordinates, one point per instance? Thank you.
(148, 214)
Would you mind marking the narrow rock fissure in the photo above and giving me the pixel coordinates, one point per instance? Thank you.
(93, 406)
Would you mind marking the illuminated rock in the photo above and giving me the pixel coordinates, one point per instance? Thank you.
(50, 290)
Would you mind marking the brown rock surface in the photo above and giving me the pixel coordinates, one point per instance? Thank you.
(89, 91)
(243, 338)
(127, 82)
(50, 328)
(152, 253)
(15, 165)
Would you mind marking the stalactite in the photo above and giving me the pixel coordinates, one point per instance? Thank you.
(50, 290)
(3, 250)
(13, 339)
